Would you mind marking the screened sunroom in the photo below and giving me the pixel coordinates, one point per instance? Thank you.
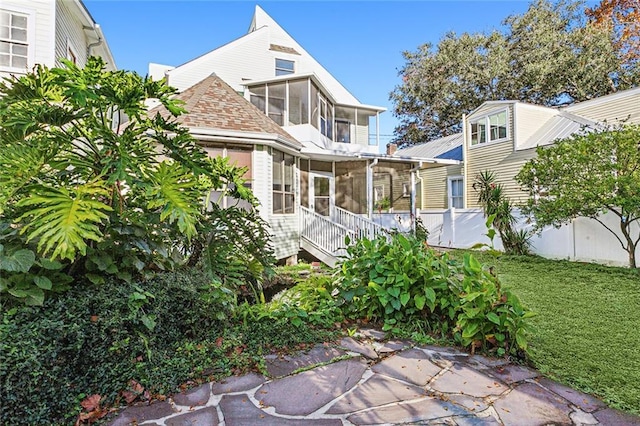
(303, 101)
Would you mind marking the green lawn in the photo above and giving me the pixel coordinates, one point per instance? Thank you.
(587, 332)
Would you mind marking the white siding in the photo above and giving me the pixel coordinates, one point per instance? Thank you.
(284, 228)
(250, 58)
(362, 135)
(305, 62)
(528, 119)
(69, 32)
(41, 16)
(245, 58)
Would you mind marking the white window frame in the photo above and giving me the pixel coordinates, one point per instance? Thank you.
(450, 197)
(30, 14)
(282, 192)
(284, 71)
(486, 121)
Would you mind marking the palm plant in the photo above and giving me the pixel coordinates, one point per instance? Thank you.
(497, 206)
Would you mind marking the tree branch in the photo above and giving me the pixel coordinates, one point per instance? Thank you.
(610, 230)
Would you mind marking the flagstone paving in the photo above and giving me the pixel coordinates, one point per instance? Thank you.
(368, 381)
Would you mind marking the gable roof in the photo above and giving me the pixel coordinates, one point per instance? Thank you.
(448, 148)
(279, 36)
(214, 106)
(243, 60)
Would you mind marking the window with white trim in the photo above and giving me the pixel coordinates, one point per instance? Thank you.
(283, 182)
(14, 39)
(456, 192)
(490, 128)
(284, 67)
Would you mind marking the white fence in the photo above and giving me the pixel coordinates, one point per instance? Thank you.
(582, 240)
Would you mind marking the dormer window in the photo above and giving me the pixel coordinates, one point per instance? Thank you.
(490, 128)
(284, 67)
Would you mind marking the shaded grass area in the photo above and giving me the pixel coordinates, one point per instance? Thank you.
(587, 331)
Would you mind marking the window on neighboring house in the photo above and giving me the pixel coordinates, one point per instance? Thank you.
(284, 67)
(14, 40)
(283, 182)
(489, 129)
(456, 192)
(71, 53)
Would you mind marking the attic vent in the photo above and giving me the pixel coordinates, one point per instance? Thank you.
(283, 49)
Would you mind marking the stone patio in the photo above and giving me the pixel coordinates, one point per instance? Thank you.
(371, 382)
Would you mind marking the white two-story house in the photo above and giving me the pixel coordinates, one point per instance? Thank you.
(43, 31)
(320, 176)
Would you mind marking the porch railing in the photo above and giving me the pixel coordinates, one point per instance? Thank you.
(361, 226)
(326, 234)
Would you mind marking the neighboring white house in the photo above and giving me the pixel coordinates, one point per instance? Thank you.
(43, 31)
(319, 177)
(502, 136)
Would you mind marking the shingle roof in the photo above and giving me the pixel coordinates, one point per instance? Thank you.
(448, 148)
(213, 104)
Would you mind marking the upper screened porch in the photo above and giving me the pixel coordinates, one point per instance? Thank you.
(307, 111)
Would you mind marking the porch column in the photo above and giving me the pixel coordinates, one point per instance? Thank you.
(370, 166)
(412, 195)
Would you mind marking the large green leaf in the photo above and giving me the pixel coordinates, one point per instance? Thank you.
(174, 190)
(19, 261)
(63, 219)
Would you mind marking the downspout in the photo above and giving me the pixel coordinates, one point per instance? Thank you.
(370, 188)
(465, 150)
(414, 171)
(97, 43)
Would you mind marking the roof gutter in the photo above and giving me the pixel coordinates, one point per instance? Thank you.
(100, 42)
(252, 137)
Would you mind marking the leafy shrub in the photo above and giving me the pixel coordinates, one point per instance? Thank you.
(397, 280)
(308, 302)
(99, 196)
(238, 252)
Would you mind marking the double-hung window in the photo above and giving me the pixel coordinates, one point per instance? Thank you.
(14, 40)
(490, 128)
(456, 192)
(283, 182)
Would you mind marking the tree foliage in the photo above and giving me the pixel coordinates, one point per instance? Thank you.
(550, 55)
(92, 181)
(588, 175)
(623, 18)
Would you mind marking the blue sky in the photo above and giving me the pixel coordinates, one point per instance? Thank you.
(359, 42)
